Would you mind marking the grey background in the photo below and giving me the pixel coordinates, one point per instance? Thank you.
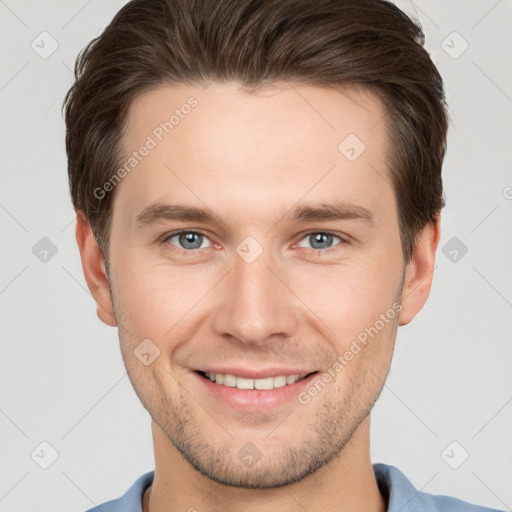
(62, 378)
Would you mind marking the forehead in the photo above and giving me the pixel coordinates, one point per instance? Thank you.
(221, 145)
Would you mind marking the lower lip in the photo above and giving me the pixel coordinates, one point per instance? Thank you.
(254, 400)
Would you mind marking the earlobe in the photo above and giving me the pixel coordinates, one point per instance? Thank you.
(93, 266)
(419, 272)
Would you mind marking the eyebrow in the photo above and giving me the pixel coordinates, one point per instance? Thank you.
(330, 211)
(159, 212)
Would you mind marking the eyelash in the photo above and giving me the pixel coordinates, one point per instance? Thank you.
(180, 250)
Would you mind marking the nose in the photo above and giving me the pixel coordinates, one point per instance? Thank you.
(254, 304)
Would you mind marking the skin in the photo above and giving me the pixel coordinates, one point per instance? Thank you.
(251, 158)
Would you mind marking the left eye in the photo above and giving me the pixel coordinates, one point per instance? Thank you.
(189, 239)
(320, 239)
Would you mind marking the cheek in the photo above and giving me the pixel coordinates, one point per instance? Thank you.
(348, 297)
(152, 300)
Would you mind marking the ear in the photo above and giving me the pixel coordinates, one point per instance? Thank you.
(419, 272)
(94, 269)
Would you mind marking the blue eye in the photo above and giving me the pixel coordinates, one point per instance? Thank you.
(188, 240)
(320, 239)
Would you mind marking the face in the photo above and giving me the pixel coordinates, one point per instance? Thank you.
(294, 255)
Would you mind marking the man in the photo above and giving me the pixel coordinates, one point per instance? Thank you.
(258, 189)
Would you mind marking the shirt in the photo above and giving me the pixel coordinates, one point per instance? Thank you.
(393, 484)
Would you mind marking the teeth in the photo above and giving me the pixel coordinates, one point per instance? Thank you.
(280, 381)
(243, 383)
(267, 383)
(229, 380)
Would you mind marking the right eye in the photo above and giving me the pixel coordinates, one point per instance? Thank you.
(187, 240)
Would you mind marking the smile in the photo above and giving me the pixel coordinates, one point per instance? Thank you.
(233, 381)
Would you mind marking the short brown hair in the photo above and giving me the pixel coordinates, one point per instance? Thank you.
(365, 43)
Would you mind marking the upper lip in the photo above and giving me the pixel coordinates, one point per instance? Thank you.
(248, 373)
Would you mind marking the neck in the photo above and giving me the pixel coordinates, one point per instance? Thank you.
(344, 484)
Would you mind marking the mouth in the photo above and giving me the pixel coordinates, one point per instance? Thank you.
(266, 383)
(253, 392)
